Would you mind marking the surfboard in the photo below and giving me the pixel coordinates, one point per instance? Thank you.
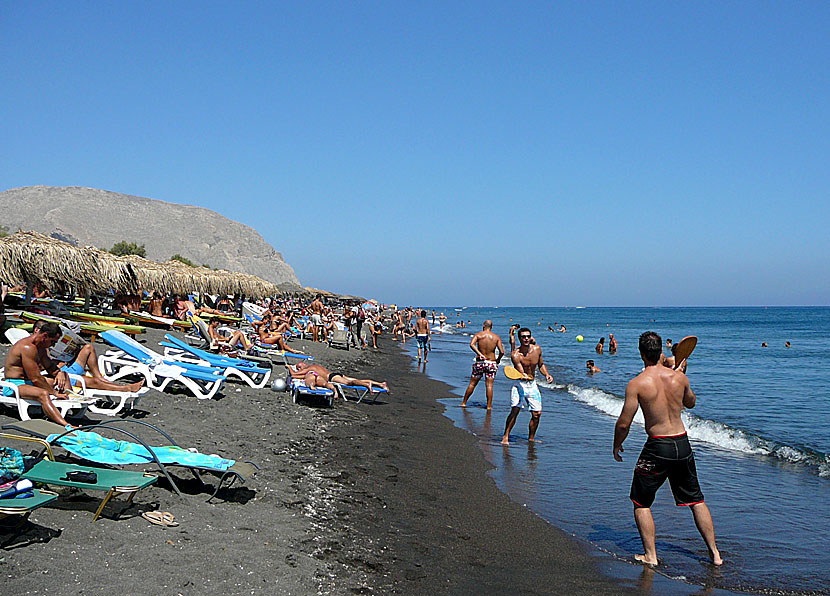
(685, 347)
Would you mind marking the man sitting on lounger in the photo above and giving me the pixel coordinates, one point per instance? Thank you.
(24, 362)
(228, 341)
(316, 375)
(86, 361)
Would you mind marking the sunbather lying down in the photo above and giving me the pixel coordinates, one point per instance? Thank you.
(316, 375)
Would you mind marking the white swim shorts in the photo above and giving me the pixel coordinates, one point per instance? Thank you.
(530, 392)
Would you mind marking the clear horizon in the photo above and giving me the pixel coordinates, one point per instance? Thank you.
(500, 153)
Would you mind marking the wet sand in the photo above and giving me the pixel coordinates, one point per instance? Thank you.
(383, 498)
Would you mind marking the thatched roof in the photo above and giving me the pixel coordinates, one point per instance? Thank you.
(30, 256)
(27, 257)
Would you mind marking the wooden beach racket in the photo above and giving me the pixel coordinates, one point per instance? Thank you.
(685, 347)
(511, 372)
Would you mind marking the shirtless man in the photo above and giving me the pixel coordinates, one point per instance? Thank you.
(612, 344)
(484, 344)
(156, 304)
(316, 375)
(24, 362)
(662, 393)
(423, 334)
(316, 317)
(526, 358)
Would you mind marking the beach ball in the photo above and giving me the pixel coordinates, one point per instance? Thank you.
(579, 338)
(278, 385)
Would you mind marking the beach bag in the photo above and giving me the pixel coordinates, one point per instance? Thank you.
(11, 464)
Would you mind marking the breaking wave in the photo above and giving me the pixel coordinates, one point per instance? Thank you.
(711, 432)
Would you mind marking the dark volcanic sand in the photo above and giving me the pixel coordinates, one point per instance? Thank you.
(385, 498)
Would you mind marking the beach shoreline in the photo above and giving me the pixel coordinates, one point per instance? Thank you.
(385, 498)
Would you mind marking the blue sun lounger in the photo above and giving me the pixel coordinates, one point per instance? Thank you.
(360, 392)
(133, 358)
(299, 389)
(245, 370)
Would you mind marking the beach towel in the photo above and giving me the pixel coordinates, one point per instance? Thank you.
(93, 447)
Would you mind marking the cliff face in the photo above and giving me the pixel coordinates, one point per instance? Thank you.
(88, 216)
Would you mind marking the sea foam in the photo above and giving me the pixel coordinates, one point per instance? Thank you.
(712, 432)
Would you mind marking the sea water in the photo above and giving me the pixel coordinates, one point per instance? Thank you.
(760, 431)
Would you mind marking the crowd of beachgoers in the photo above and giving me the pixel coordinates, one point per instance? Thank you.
(54, 370)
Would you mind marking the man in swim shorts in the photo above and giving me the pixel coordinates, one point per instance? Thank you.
(316, 320)
(485, 343)
(86, 361)
(662, 393)
(26, 359)
(422, 334)
(526, 358)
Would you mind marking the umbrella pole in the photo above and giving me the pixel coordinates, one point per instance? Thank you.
(30, 290)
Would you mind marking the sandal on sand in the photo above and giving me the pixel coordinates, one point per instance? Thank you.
(160, 518)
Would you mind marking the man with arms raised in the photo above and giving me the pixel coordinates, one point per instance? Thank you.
(26, 359)
(484, 344)
(662, 393)
(526, 358)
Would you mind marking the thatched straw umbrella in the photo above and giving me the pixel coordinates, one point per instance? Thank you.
(27, 257)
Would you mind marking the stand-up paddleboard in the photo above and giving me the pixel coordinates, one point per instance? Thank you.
(685, 347)
(511, 372)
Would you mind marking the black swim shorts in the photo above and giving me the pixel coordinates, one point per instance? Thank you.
(662, 458)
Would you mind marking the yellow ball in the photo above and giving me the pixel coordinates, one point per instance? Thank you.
(579, 338)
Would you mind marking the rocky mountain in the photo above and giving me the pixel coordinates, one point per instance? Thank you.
(88, 216)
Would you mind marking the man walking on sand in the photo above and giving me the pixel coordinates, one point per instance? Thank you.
(662, 393)
(526, 358)
(484, 344)
(422, 333)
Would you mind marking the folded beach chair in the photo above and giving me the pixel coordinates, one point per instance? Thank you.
(115, 482)
(299, 389)
(339, 339)
(255, 376)
(131, 358)
(96, 448)
(359, 392)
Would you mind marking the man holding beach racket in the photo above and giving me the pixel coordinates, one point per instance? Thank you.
(526, 359)
(662, 393)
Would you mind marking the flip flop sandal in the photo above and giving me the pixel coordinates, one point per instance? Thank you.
(160, 518)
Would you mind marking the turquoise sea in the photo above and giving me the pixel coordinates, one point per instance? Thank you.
(761, 434)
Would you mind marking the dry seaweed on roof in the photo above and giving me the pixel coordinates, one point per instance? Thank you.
(27, 257)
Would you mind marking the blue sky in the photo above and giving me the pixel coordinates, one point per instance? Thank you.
(604, 153)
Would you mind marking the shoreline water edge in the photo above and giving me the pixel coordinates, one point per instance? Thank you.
(745, 457)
